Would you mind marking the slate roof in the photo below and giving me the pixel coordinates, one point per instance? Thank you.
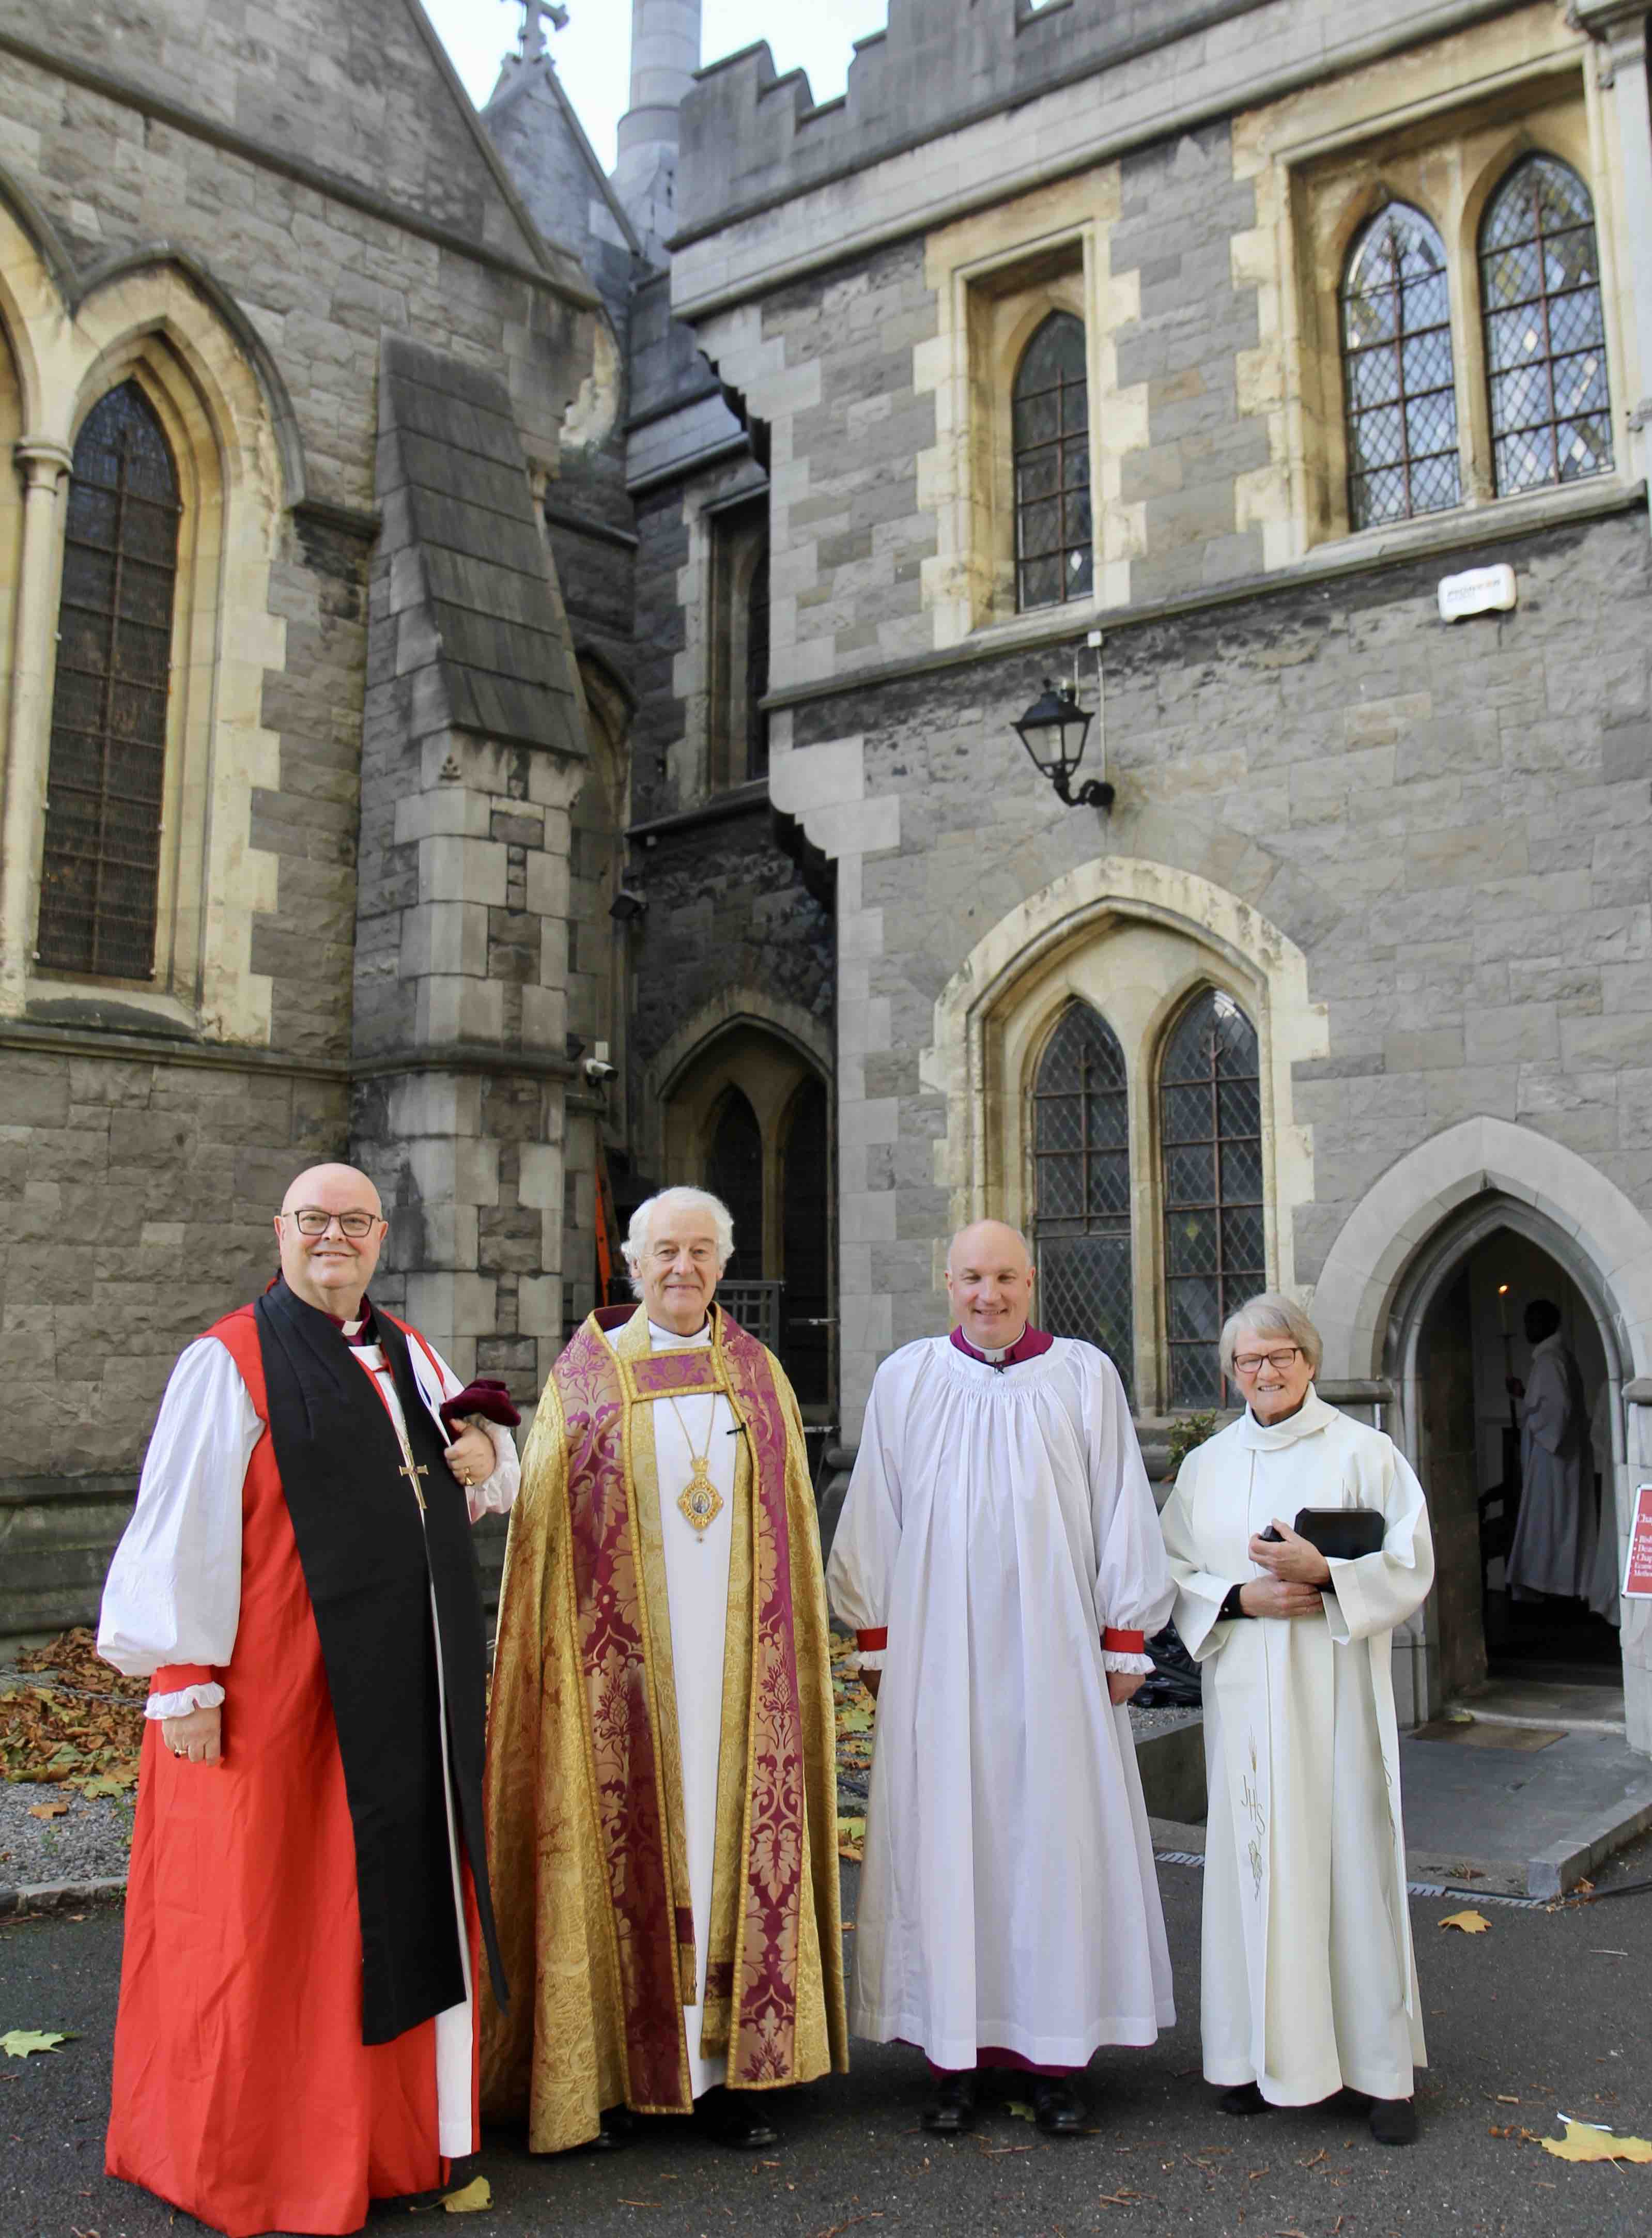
(479, 625)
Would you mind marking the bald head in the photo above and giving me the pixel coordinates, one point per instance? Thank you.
(988, 1239)
(331, 1267)
(989, 1281)
(339, 1189)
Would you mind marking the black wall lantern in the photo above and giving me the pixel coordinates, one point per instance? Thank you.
(1054, 731)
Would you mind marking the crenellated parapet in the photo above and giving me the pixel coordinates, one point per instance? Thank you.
(749, 133)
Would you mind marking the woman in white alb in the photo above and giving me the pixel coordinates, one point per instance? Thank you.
(1309, 1983)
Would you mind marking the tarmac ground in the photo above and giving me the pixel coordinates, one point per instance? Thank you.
(1547, 2011)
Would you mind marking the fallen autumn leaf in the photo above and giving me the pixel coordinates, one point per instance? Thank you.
(472, 2199)
(1584, 2141)
(1468, 1923)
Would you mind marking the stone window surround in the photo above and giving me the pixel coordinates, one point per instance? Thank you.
(739, 539)
(690, 759)
(1324, 165)
(1138, 971)
(996, 277)
(149, 325)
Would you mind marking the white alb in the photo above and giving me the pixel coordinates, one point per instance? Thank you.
(997, 1521)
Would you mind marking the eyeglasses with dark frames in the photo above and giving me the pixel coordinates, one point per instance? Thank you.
(1250, 1363)
(311, 1220)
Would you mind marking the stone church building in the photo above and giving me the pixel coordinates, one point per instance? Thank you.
(513, 674)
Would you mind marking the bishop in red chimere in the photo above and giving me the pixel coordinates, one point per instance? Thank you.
(308, 1900)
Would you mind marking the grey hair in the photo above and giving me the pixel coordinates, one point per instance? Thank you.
(1272, 1314)
(690, 1200)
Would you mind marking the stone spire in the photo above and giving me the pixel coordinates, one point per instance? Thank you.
(665, 55)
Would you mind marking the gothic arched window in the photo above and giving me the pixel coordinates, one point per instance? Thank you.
(1081, 1186)
(1211, 1129)
(1401, 394)
(1546, 344)
(734, 1173)
(1054, 542)
(100, 874)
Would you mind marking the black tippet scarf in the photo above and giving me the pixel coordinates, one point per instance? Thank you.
(370, 1569)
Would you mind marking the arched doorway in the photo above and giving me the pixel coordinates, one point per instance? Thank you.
(745, 1112)
(1456, 1337)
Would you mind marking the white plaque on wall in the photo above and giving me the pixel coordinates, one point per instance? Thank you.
(1481, 591)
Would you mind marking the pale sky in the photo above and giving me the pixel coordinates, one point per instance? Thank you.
(593, 54)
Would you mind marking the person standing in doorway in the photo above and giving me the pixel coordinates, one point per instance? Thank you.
(1553, 1550)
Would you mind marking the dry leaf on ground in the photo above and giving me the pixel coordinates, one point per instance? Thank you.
(475, 2196)
(1583, 2142)
(1469, 1922)
(17, 2043)
(49, 1809)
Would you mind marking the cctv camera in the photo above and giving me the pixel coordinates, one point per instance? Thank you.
(597, 1069)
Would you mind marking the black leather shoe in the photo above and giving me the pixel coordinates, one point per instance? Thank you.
(1394, 2120)
(618, 2127)
(1243, 2098)
(1057, 2107)
(952, 2109)
(730, 2118)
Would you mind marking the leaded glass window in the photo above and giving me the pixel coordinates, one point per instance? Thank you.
(1546, 344)
(1211, 1129)
(1055, 555)
(1081, 1186)
(101, 870)
(757, 665)
(1397, 367)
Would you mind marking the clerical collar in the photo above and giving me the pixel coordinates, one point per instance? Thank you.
(659, 1336)
(362, 1333)
(1029, 1345)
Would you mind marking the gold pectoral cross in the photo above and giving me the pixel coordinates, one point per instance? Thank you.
(413, 1471)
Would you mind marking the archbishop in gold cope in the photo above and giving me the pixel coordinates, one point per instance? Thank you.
(661, 1776)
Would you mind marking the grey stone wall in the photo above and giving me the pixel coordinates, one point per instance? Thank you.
(726, 908)
(316, 163)
(935, 66)
(857, 541)
(1179, 208)
(1455, 825)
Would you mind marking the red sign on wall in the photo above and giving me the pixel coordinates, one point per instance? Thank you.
(1637, 1572)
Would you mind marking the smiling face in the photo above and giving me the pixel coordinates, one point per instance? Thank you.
(678, 1268)
(1272, 1372)
(989, 1279)
(331, 1270)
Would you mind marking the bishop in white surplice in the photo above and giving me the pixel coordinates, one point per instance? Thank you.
(998, 1558)
(1308, 1978)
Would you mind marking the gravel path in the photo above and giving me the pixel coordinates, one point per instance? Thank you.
(91, 1842)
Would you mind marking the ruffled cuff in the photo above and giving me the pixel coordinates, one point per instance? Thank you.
(871, 1646)
(177, 1688)
(1125, 1651)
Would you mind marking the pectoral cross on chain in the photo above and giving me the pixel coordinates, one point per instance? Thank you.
(413, 1471)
